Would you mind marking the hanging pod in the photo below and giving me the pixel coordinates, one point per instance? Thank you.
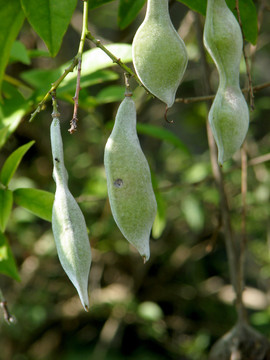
(130, 191)
(68, 224)
(159, 54)
(229, 114)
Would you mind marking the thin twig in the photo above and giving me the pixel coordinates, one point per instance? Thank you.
(231, 247)
(74, 120)
(116, 60)
(54, 87)
(7, 315)
(251, 94)
(128, 91)
(194, 99)
(241, 282)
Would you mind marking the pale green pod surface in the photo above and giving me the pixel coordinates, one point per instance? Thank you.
(229, 115)
(229, 120)
(68, 224)
(223, 39)
(130, 191)
(159, 54)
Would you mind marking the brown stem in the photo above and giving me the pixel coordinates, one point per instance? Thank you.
(7, 315)
(194, 99)
(74, 120)
(241, 282)
(251, 94)
(231, 248)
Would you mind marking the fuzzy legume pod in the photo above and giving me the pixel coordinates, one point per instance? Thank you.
(68, 224)
(229, 114)
(159, 54)
(130, 191)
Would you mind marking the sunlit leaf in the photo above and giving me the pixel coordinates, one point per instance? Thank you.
(94, 61)
(12, 163)
(11, 20)
(38, 202)
(12, 110)
(193, 212)
(6, 201)
(7, 262)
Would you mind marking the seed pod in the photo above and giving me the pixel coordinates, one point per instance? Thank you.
(159, 54)
(229, 115)
(68, 224)
(130, 191)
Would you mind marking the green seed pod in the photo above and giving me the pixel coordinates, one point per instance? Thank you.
(159, 54)
(229, 115)
(68, 224)
(130, 191)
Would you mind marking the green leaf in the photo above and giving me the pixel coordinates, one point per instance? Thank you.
(11, 20)
(127, 11)
(12, 163)
(248, 16)
(247, 10)
(110, 94)
(19, 53)
(162, 134)
(7, 262)
(6, 201)
(94, 60)
(96, 3)
(50, 20)
(13, 108)
(97, 77)
(38, 202)
(3, 135)
(160, 219)
(196, 5)
(193, 212)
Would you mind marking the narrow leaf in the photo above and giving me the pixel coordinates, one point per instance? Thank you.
(160, 220)
(3, 135)
(7, 262)
(12, 163)
(50, 20)
(38, 202)
(94, 60)
(11, 20)
(162, 134)
(127, 11)
(248, 16)
(13, 108)
(6, 201)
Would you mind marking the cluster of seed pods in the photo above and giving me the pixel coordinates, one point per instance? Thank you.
(229, 114)
(160, 60)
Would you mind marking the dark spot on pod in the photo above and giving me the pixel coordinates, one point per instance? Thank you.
(118, 183)
(57, 160)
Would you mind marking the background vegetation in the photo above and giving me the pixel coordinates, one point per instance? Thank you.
(180, 302)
